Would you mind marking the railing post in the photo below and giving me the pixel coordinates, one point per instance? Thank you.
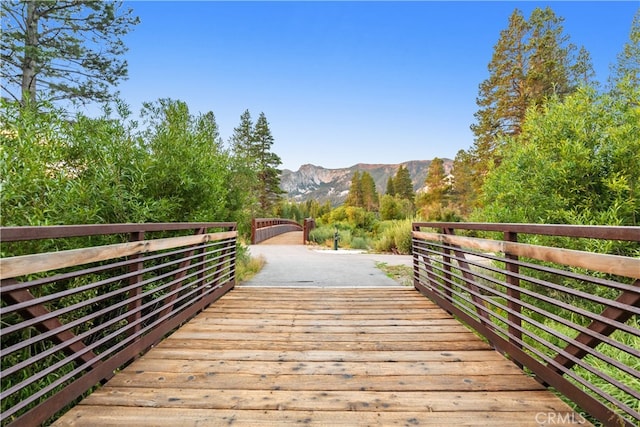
(134, 306)
(515, 321)
(253, 231)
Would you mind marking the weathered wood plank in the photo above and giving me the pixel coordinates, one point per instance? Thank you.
(91, 416)
(212, 327)
(148, 365)
(213, 380)
(392, 346)
(300, 400)
(345, 337)
(166, 352)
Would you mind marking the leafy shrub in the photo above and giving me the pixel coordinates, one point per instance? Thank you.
(395, 236)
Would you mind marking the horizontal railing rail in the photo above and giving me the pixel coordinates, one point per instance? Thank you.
(266, 228)
(80, 302)
(562, 301)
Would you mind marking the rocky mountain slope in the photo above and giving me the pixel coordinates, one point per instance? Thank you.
(312, 182)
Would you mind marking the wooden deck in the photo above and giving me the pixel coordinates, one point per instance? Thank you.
(321, 356)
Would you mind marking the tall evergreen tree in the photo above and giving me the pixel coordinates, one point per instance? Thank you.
(627, 66)
(241, 140)
(403, 185)
(63, 50)
(369, 192)
(391, 191)
(531, 62)
(436, 180)
(463, 193)
(267, 162)
(243, 197)
(354, 198)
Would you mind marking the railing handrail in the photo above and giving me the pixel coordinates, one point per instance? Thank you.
(88, 311)
(629, 233)
(21, 233)
(546, 307)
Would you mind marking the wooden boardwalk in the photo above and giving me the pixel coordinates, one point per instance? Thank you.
(321, 356)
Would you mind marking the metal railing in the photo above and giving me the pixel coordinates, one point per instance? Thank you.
(266, 228)
(95, 297)
(561, 301)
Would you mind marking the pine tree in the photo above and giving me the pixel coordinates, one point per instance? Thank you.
(462, 186)
(583, 70)
(627, 66)
(63, 50)
(241, 140)
(390, 187)
(369, 192)
(532, 61)
(436, 181)
(242, 188)
(403, 185)
(354, 198)
(267, 162)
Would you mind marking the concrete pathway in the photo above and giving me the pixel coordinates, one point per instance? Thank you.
(298, 265)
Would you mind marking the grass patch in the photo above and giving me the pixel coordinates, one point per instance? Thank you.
(402, 274)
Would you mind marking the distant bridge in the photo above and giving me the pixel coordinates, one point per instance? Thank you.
(267, 228)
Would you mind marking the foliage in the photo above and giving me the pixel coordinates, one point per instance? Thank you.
(627, 67)
(362, 192)
(63, 50)
(402, 185)
(257, 185)
(584, 151)
(267, 162)
(246, 265)
(434, 203)
(532, 61)
(103, 170)
(186, 168)
(395, 207)
(394, 236)
(299, 211)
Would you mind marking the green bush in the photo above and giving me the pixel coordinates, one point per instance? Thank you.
(394, 236)
(359, 243)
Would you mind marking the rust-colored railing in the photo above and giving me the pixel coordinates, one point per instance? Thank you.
(561, 301)
(266, 228)
(309, 225)
(93, 298)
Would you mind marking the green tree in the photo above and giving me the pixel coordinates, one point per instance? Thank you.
(532, 61)
(435, 201)
(63, 50)
(188, 169)
(462, 190)
(266, 162)
(369, 192)
(390, 187)
(575, 162)
(627, 68)
(242, 138)
(403, 185)
(354, 198)
(242, 197)
(389, 208)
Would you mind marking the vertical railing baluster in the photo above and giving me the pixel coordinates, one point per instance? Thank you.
(446, 258)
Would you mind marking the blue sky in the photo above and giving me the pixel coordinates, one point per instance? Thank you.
(343, 82)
